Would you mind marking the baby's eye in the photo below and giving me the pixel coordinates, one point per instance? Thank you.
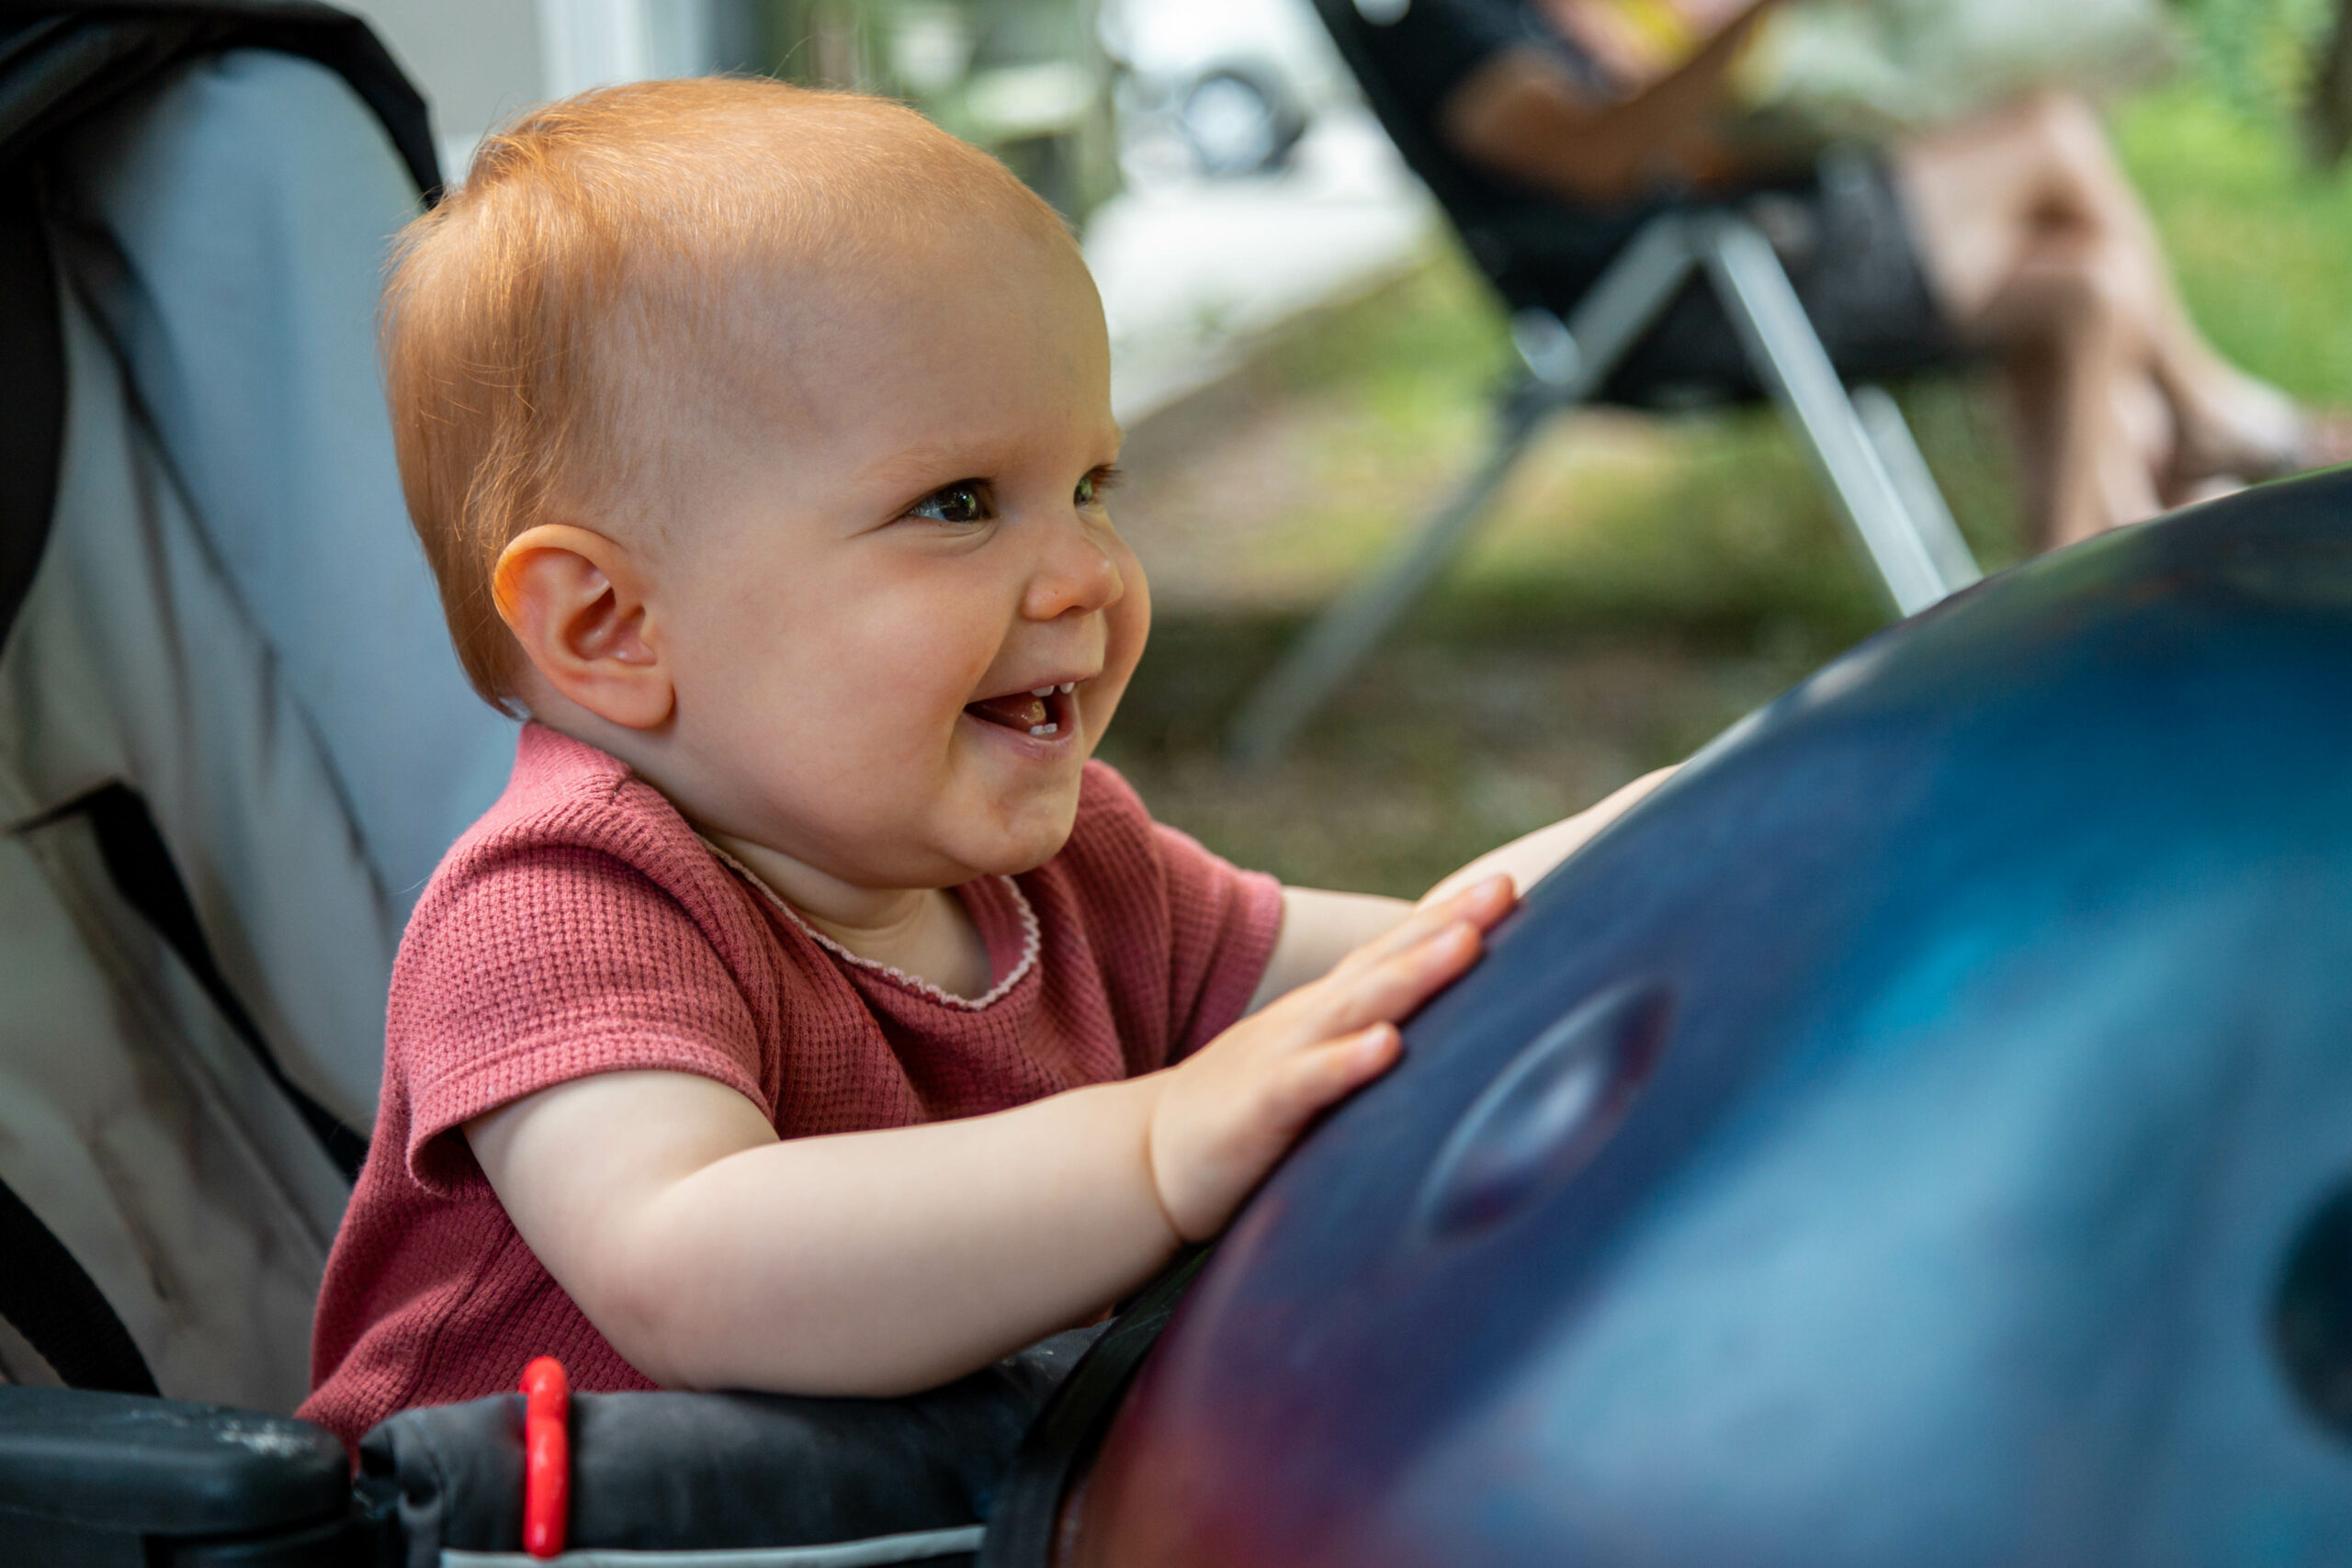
(1094, 487)
(966, 500)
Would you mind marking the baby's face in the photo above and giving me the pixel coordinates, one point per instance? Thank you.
(906, 619)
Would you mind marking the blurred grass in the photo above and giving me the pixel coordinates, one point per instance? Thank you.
(1642, 582)
(2260, 243)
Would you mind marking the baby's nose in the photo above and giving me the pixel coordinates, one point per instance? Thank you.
(1077, 575)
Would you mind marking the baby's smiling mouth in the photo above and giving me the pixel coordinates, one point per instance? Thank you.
(1043, 712)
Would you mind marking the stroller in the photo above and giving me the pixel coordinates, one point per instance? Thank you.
(219, 807)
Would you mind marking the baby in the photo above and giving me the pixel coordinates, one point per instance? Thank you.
(810, 1014)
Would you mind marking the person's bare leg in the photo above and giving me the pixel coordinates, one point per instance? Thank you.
(2092, 429)
(1988, 196)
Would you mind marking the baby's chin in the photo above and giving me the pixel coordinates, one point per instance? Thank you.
(1023, 841)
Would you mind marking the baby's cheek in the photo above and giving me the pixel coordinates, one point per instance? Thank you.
(1129, 625)
(920, 661)
(1130, 615)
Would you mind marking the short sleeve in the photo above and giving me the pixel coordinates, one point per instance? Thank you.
(547, 964)
(1222, 922)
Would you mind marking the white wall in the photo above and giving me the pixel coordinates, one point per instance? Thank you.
(479, 62)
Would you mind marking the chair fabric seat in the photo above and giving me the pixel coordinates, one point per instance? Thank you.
(1842, 232)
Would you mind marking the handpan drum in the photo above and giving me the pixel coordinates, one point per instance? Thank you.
(1920, 1134)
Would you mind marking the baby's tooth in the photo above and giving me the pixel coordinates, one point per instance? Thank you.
(1044, 728)
(1068, 687)
(1043, 691)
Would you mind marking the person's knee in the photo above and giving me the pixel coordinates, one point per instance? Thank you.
(2102, 282)
(2069, 138)
(2064, 292)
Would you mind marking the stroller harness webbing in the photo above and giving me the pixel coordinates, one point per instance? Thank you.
(32, 345)
(46, 1297)
(139, 865)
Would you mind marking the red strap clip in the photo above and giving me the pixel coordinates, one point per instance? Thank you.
(546, 1456)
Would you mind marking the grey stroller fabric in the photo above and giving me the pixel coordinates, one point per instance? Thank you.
(250, 202)
(228, 234)
(232, 620)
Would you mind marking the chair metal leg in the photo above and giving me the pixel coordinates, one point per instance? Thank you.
(1566, 364)
(1789, 358)
(1350, 624)
(1891, 435)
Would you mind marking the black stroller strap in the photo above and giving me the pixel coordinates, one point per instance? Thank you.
(46, 1296)
(139, 865)
(1024, 1520)
(32, 347)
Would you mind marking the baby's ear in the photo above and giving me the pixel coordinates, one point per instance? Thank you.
(576, 600)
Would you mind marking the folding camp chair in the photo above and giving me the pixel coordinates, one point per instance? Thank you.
(1858, 440)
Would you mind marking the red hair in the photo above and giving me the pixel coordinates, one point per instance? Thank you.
(551, 329)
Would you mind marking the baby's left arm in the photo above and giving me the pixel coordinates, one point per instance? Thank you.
(1320, 928)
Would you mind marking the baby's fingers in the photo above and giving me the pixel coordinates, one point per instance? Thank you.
(1210, 1146)
(1316, 1080)
(1480, 905)
(1384, 992)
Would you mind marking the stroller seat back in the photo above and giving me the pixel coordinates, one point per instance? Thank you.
(233, 737)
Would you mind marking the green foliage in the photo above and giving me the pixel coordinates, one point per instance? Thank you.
(2260, 243)
(2255, 55)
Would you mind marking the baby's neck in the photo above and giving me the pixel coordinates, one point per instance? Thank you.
(922, 932)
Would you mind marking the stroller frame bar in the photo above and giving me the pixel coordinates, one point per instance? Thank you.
(1860, 443)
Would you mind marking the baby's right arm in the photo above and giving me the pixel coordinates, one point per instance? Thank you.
(712, 1254)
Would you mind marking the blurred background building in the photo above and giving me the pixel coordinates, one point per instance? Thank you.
(1210, 151)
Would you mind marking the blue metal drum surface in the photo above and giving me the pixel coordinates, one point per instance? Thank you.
(1918, 1134)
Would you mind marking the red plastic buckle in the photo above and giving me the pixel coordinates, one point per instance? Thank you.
(546, 1456)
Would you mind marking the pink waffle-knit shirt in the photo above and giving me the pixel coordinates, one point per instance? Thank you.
(581, 927)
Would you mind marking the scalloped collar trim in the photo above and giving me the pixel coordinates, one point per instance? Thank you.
(1032, 943)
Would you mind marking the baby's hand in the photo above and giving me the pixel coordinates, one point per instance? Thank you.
(1227, 1112)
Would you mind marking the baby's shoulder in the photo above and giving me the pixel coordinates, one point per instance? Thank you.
(580, 928)
(577, 849)
(565, 792)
